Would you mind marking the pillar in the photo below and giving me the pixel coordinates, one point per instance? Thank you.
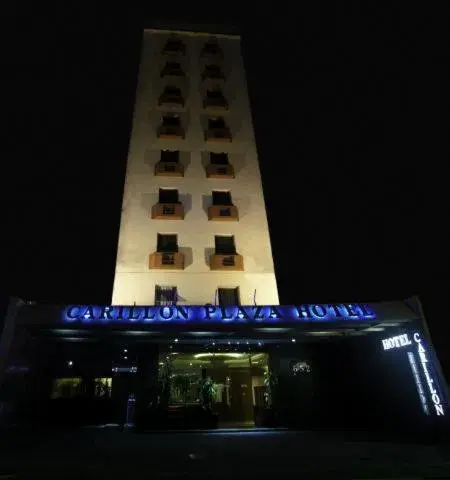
(146, 385)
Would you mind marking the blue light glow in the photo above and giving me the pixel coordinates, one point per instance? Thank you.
(422, 360)
(203, 314)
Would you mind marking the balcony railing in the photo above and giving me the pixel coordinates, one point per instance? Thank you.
(219, 171)
(166, 261)
(168, 211)
(169, 169)
(171, 100)
(223, 213)
(169, 131)
(218, 135)
(227, 262)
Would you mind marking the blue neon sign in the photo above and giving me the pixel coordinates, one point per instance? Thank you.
(421, 362)
(217, 314)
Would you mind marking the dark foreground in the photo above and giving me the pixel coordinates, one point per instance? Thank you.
(109, 453)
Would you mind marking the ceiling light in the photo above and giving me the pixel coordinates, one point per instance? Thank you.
(229, 355)
(374, 329)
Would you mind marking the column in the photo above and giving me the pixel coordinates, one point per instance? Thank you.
(146, 386)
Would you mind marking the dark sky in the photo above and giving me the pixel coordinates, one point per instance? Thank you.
(351, 114)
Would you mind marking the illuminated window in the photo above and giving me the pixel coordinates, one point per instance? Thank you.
(103, 387)
(66, 387)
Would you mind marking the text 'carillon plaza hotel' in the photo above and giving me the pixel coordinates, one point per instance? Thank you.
(195, 336)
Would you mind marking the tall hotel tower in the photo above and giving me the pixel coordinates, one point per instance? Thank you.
(193, 226)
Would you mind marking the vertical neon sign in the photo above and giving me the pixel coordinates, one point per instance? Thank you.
(415, 370)
(431, 382)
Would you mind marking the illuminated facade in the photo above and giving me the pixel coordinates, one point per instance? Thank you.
(195, 336)
(193, 227)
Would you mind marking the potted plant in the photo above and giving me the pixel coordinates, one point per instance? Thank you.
(208, 394)
(270, 384)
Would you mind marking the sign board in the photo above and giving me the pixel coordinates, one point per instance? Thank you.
(217, 314)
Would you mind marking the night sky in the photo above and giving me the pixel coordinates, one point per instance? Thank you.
(351, 114)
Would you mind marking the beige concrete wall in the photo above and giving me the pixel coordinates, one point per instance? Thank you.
(134, 282)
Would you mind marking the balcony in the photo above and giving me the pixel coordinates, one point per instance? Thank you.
(169, 169)
(168, 211)
(218, 135)
(170, 100)
(232, 262)
(223, 213)
(166, 261)
(171, 132)
(219, 171)
(215, 103)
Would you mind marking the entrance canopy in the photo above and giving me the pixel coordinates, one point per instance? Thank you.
(192, 323)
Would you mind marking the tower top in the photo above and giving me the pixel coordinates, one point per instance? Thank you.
(193, 28)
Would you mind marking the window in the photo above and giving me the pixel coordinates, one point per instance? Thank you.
(221, 198)
(214, 98)
(167, 243)
(168, 195)
(67, 387)
(213, 71)
(174, 45)
(172, 91)
(102, 387)
(225, 245)
(211, 48)
(171, 121)
(170, 156)
(165, 295)
(172, 68)
(171, 95)
(218, 158)
(214, 95)
(229, 297)
(214, 123)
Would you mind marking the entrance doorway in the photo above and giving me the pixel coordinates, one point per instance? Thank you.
(231, 384)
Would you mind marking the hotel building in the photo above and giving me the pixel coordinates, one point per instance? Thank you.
(195, 336)
(194, 227)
